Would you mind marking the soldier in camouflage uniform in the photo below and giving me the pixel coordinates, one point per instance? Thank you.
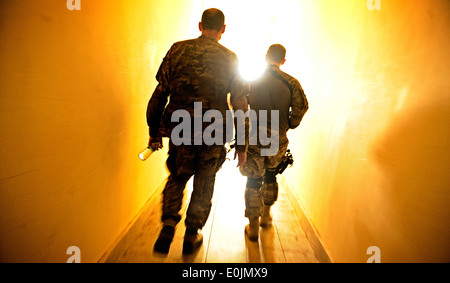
(197, 70)
(276, 90)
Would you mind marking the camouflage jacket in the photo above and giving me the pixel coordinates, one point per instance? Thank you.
(277, 90)
(197, 70)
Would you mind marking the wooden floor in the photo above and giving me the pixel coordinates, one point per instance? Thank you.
(224, 237)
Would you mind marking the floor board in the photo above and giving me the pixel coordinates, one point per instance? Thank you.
(224, 237)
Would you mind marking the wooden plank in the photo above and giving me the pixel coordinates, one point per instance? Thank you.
(224, 237)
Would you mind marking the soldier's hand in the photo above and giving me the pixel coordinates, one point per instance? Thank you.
(156, 143)
(242, 158)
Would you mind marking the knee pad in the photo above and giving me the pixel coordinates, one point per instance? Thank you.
(269, 193)
(270, 176)
(254, 183)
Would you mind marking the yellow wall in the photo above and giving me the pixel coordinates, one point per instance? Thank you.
(372, 154)
(74, 92)
(371, 157)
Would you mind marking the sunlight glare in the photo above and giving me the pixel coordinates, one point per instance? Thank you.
(252, 26)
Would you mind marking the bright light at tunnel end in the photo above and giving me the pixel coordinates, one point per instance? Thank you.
(250, 73)
(251, 69)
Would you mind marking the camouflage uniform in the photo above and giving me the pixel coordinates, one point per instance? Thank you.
(197, 70)
(276, 90)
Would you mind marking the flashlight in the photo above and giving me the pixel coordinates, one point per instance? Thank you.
(146, 153)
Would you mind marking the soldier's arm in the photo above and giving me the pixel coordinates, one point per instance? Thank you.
(239, 91)
(299, 105)
(158, 101)
(155, 109)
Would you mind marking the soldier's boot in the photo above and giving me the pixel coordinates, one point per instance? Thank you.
(266, 217)
(252, 229)
(162, 244)
(192, 241)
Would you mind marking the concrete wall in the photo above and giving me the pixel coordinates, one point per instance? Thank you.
(74, 91)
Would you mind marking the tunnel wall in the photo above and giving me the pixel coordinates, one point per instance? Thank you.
(74, 90)
(371, 156)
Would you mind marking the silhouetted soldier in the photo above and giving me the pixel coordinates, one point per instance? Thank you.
(276, 90)
(198, 70)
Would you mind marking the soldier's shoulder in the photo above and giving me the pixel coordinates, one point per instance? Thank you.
(183, 43)
(207, 44)
(226, 50)
(292, 80)
(211, 44)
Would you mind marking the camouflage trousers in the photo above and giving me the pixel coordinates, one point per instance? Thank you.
(262, 186)
(202, 162)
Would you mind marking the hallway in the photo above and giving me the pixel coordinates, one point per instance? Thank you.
(372, 158)
(224, 239)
